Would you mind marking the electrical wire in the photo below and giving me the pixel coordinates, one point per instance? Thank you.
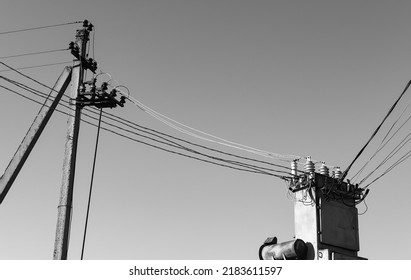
(163, 136)
(28, 77)
(383, 142)
(37, 66)
(91, 183)
(51, 88)
(376, 131)
(39, 27)
(226, 163)
(144, 129)
(170, 122)
(207, 136)
(33, 53)
(388, 157)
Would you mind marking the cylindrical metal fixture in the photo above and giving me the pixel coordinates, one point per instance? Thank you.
(294, 249)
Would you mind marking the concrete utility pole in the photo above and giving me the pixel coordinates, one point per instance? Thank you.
(325, 216)
(80, 97)
(69, 164)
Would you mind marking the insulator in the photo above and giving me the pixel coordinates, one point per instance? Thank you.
(324, 169)
(294, 167)
(309, 166)
(337, 173)
(90, 27)
(113, 93)
(104, 86)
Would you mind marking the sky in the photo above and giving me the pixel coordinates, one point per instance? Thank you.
(308, 78)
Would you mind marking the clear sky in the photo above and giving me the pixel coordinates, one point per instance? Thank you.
(310, 78)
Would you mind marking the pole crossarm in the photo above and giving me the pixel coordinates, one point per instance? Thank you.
(34, 132)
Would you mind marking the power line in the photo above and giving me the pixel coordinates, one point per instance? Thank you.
(33, 53)
(208, 137)
(162, 136)
(384, 142)
(226, 163)
(403, 158)
(143, 129)
(38, 27)
(376, 131)
(36, 66)
(164, 119)
(389, 156)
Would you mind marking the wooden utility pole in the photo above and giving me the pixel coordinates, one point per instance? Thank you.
(69, 164)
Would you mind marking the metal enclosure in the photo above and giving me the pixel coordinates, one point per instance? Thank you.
(329, 226)
(339, 225)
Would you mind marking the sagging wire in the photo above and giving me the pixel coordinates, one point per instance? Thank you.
(207, 137)
(231, 164)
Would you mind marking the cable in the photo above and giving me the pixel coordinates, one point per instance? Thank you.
(33, 53)
(37, 66)
(164, 136)
(39, 27)
(173, 124)
(382, 144)
(28, 77)
(131, 125)
(227, 163)
(91, 183)
(406, 156)
(375, 132)
(388, 157)
(22, 95)
(173, 143)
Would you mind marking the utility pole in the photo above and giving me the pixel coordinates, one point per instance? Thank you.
(325, 217)
(78, 49)
(80, 97)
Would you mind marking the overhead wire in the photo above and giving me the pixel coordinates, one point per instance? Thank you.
(384, 142)
(162, 117)
(207, 136)
(389, 156)
(226, 163)
(142, 128)
(376, 131)
(146, 128)
(33, 53)
(37, 66)
(38, 27)
(403, 158)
